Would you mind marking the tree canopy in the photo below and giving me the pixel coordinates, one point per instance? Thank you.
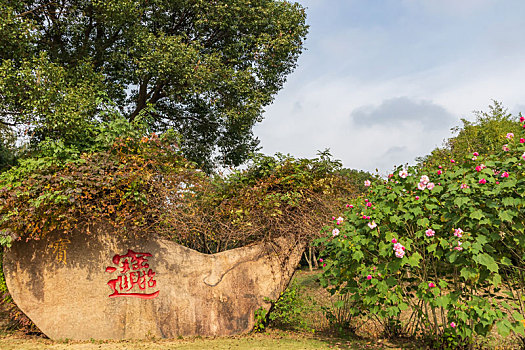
(203, 68)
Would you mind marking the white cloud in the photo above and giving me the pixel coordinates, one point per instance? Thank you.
(397, 131)
(400, 110)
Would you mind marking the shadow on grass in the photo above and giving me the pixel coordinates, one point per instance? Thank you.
(337, 340)
(374, 344)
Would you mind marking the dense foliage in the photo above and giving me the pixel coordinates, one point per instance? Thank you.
(142, 185)
(112, 186)
(438, 251)
(204, 68)
(279, 196)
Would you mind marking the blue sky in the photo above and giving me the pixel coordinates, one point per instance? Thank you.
(382, 81)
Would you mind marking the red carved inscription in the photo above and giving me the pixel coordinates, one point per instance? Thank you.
(135, 277)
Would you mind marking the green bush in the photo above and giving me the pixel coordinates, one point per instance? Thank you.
(440, 245)
(289, 311)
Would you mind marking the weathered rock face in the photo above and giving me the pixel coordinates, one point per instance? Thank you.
(100, 286)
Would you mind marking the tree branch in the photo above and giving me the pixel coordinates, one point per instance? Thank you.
(157, 93)
(7, 123)
(141, 99)
(187, 117)
(36, 9)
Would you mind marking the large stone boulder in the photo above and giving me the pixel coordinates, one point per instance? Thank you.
(101, 286)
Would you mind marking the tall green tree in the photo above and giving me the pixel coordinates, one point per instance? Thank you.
(204, 68)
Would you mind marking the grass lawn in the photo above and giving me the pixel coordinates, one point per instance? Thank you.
(272, 339)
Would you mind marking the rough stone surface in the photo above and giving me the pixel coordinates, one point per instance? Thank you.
(68, 297)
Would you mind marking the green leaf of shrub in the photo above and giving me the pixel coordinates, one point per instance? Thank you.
(506, 215)
(459, 201)
(414, 259)
(477, 214)
(487, 261)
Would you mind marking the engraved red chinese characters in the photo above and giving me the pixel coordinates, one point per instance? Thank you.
(135, 277)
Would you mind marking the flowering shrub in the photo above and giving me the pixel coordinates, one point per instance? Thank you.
(445, 243)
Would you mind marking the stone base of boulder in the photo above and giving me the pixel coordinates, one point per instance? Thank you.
(100, 286)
